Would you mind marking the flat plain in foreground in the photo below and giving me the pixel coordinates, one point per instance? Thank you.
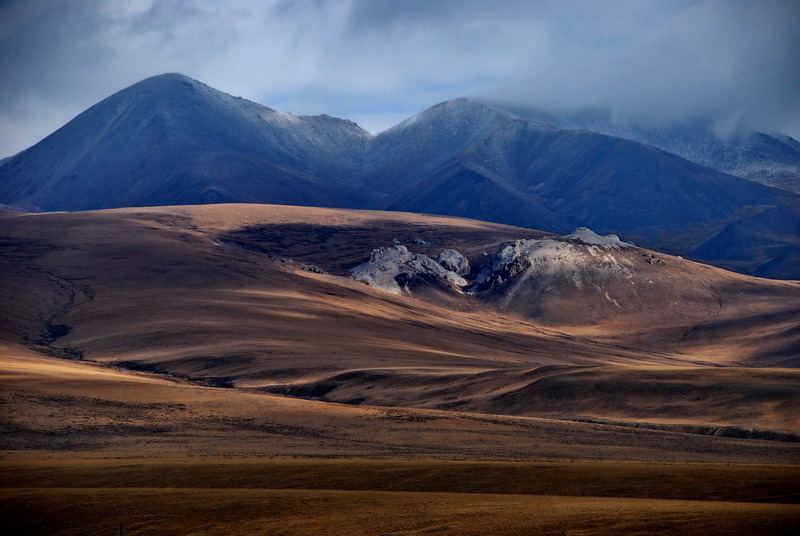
(92, 511)
(356, 496)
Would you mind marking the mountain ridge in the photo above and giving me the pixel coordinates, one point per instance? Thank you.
(771, 159)
(198, 141)
(172, 140)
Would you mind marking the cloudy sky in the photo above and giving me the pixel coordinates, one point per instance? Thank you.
(379, 61)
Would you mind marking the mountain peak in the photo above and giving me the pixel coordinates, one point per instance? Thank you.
(169, 90)
(170, 139)
(463, 116)
(167, 77)
(164, 81)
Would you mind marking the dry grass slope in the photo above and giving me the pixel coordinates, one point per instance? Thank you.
(143, 354)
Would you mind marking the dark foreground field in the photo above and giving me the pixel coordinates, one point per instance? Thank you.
(371, 497)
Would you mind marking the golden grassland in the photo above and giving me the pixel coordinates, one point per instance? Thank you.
(445, 416)
(94, 466)
(63, 407)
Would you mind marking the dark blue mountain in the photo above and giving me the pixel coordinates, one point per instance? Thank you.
(172, 140)
(529, 173)
(769, 159)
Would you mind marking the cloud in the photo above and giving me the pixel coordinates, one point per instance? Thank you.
(733, 61)
(375, 61)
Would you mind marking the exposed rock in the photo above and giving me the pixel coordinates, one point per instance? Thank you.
(303, 266)
(552, 258)
(652, 259)
(313, 268)
(502, 273)
(454, 261)
(587, 236)
(395, 269)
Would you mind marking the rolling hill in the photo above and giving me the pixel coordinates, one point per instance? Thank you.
(218, 369)
(261, 298)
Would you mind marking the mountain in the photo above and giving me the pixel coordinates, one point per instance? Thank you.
(172, 140)
(529, 173)
(769, 159)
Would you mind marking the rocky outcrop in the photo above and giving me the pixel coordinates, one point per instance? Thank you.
(577, 258)
(500, 272)
(544, 258)
(579, 278)
(587, 236)
(396, 270)
(454, 261)
(580, 259)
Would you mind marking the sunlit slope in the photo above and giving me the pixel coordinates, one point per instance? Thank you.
(50, 404)
(158, 287)
(238, 296)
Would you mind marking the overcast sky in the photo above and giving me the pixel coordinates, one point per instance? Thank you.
(379, 61)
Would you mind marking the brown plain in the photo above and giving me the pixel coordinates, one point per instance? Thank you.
(440, 415)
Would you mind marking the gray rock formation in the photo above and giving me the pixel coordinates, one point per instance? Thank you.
(454, 261)
(587, 236)
(395, 268)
